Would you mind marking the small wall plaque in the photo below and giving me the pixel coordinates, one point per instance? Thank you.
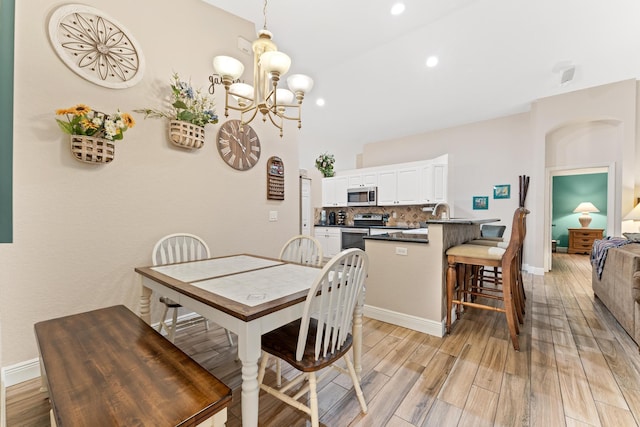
(275, 179)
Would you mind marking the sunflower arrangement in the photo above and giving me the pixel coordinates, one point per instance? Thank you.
(82, 120)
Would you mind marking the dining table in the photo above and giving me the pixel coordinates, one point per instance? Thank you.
(247, 294)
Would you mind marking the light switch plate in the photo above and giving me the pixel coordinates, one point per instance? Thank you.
(273, 215)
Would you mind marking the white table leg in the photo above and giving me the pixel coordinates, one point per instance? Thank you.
(249, 353)
(145, 303)
(357, 335)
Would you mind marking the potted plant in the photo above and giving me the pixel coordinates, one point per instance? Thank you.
(190, 111)
(324, 163)
(93, 133)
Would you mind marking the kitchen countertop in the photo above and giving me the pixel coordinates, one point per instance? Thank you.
(400, 237)
(397, 227)
(463, 221)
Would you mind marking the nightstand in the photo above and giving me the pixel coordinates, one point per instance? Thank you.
(581, 239)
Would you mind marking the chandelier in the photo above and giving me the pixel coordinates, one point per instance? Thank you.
(265, 96)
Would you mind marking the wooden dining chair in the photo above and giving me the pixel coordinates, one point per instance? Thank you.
(472, 255)
(322, 336)
(302, 249)
(179, 247)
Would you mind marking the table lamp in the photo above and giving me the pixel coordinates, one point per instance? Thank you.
(633, 215)
(585, 208)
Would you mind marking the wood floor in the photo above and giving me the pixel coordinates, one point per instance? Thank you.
(576, 367)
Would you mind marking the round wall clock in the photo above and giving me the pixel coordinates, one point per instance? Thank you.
(95, 46)
(238, 146)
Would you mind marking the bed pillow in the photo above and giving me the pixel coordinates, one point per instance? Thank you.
(635, 237)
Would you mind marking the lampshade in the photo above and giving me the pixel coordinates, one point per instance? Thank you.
(241, 92)
(586, 207)
(283, 97)
(275, 62)
(300, 83)
(634, 214)
(228, 66)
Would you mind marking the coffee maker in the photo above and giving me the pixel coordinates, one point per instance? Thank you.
(332, 218)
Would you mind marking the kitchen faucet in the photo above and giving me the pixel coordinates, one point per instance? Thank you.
(445, 213)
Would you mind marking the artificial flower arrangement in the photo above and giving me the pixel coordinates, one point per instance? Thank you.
(324, 163)
(82, 120)
(187, 104)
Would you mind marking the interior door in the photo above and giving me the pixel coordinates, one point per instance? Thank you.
(305, 207)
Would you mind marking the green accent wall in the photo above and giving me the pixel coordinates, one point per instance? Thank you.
(7, 9)
(568, 192)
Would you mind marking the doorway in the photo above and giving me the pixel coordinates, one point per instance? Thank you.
(587, 182)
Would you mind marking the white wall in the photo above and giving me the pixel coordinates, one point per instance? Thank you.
(79, 230)
(609, 113)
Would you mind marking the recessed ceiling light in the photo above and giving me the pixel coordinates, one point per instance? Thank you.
(432, 61)
(397, 8)
(320, 102)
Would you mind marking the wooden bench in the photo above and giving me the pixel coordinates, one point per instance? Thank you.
(109, 368)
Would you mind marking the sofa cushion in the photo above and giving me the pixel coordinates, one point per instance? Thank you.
(619, 286)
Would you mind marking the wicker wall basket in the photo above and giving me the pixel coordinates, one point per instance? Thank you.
(185, 134)
(92, 150)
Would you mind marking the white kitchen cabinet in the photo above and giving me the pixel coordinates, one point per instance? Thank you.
(367, 179)
(412, 183)
(330, 239)
(387, 187)
(334, 191)
(399, 187)
(433, 183)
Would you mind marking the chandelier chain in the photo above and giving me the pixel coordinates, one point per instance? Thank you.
(264, 13)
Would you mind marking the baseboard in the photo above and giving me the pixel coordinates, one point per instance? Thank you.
(20, 372)
(3, 401)
(536, 271)
(405, 320)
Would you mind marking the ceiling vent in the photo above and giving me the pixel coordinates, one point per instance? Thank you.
(567, 76)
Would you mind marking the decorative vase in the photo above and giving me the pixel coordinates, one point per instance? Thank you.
(186, 135)
(94, 150)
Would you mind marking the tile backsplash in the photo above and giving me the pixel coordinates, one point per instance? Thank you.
(406, 216)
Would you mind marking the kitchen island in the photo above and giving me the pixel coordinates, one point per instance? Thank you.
(407, 273)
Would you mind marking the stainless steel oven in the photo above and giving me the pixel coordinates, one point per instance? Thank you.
(353, 237)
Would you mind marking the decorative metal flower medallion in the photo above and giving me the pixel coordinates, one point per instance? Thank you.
(95, 46)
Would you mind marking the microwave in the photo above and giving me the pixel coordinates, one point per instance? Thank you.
(362, 196)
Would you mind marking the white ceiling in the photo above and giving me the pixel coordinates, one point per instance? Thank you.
(495, 58)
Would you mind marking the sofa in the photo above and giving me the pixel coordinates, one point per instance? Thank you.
(619, 286)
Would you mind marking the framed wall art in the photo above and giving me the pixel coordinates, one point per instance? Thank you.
(480, 202)
(502, 191)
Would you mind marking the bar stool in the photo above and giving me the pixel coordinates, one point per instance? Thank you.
(481, 276)
(490, 256)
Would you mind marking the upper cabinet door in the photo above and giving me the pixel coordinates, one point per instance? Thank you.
(433, 183)
(368, 179)
(334, 191)
(408, 186)
(387, 190)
